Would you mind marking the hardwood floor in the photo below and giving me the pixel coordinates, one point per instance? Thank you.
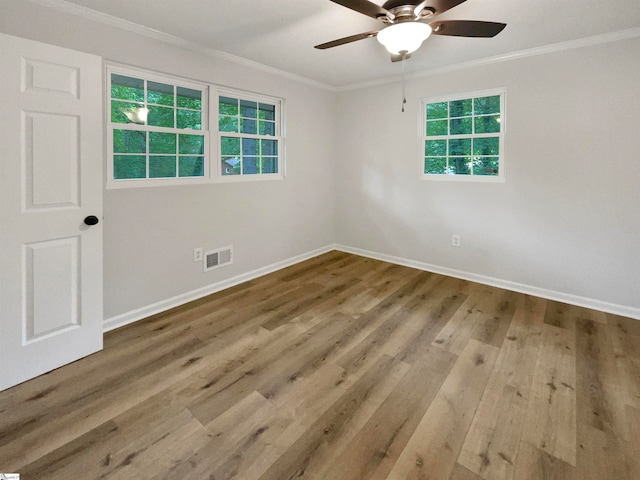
(347, 368)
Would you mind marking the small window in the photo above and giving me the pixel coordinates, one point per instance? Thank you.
(158, 130)
(463, 137)
(250, 138)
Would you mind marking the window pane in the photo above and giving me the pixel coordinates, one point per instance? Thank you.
(249, 146)
(123, 112)
(161, 117)
(188, 98)
(437, 128)
(228, 106)
(486, 146)
(127, 88)
(248, 126)
(162, 167)
(463, 136)
(461, 146)
(269, 147)
(191, 144)
(435, 165)
(270, 165)
(158, 129)
(129, 141)
(437, 110)
(160, 93)
(228, 124)
(230, 166)
(267, 112)
(129, 166)
(230, 146)
(247, 153)
(489, 124)
(435, 148)
(461, 126)
(459, 165)
(248, 109)
(250, 165)
(191, 166)
(162, 142)
(487, 105)
(460, 108)
(267, 128)
(189, 119)
(486, 166)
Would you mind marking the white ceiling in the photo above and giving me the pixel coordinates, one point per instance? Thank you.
(281, 33)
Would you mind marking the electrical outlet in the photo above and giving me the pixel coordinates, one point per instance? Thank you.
(197, 254)
(455, 240)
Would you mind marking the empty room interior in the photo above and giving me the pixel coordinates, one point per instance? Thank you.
(411, 252)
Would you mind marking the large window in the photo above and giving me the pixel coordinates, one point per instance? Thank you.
(250, 138)
(464, 137)
(158, 130)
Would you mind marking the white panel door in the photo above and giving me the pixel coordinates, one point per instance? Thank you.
(50, 181)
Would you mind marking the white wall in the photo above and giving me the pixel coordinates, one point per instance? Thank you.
(150, 232)
(566, 220)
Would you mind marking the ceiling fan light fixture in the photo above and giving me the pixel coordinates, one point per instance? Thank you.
(404, 37)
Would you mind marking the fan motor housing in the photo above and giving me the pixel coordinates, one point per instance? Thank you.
(391, 4)
(404, 11)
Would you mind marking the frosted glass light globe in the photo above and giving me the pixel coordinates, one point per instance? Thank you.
(404, 37)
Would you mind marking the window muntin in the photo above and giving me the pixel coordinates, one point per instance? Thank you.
(463, 137)
(250, 140)
(157, 130)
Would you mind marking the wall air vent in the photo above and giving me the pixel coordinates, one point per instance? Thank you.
(217, 258)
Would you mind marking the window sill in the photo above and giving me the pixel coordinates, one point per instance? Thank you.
(249, 178)
(463, 178)
(160, 182)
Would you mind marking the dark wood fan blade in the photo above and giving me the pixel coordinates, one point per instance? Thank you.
(467, 28)
(352, 38)
(398, 58)
(365, 7)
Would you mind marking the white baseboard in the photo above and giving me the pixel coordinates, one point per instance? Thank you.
(144, 312)
(164, 305)
(594, 304)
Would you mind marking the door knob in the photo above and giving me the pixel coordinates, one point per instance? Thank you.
(91, 220)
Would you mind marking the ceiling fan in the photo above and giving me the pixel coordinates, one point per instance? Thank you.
(406, 29)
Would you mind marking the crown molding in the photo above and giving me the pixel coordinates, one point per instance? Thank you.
(531, 52)
(110, 20)
(106, 19)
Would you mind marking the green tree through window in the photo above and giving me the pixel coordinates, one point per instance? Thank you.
(157, 128)
(464, 137)
(249, 134)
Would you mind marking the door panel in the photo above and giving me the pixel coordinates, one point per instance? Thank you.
(50, 180)
(52, 287)
(51, 160)
(49, 77)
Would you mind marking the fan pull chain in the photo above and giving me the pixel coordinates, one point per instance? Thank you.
(404, 89)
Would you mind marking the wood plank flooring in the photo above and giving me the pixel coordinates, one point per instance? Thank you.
(341, 367)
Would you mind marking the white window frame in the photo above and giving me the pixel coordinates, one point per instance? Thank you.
(501, 177)
(208, 93)
(279, 136)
